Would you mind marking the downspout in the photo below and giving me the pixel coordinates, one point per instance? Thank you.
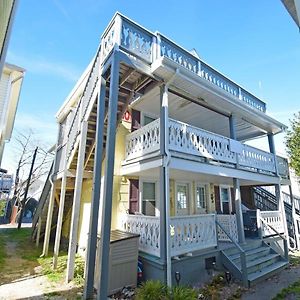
(166, 163)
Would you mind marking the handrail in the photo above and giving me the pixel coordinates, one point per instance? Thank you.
(285, 242)
(244, 272)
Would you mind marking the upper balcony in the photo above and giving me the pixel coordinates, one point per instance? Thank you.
(154, 50)
(198, 145)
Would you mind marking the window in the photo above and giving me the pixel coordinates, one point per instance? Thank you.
(147, 118)
(148, 198)
(200, 197)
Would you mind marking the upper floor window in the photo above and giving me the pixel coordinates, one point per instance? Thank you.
(148, 198)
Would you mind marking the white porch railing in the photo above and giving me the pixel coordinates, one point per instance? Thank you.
(143, 141)
(272, 218)
(229, 224)
(148, 229)
(191, 233)
(191, 140)
(187, 233)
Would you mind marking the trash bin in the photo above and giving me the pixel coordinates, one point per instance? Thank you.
(123, 261)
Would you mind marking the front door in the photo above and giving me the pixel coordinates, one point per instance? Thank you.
(225, 200)
(201, 199)
(182, 198)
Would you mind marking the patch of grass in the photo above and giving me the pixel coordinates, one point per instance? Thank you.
(294, 259)
(2, 207)
(292, 289)
(79, 270)
(47, 267)
(3, 253)
(156, 290)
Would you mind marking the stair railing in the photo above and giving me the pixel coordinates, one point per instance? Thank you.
(242, 252)
(282, 236)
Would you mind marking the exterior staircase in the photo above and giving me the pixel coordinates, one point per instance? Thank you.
(265, 200)
(131, 82)
(261, 262)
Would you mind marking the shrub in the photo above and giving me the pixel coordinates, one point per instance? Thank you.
(151, 289)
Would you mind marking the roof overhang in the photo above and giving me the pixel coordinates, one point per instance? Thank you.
(293, 8)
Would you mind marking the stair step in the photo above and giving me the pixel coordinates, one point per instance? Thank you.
(249, 246)
(251, 254)
(262, 262)
(266, 272)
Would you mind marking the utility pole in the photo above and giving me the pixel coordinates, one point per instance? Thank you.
(27, 188)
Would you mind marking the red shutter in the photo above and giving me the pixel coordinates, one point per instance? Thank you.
(135, 120)
(217, 199)
(232, 200)
(133, 196)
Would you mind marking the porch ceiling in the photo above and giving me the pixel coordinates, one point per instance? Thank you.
(182, 175)
(198, 115)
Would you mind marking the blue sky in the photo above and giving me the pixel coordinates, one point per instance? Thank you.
(255, 43)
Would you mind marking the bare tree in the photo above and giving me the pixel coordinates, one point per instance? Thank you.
(26, 143)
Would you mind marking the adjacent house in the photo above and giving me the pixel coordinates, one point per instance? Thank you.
(10, 88)
(152, 141)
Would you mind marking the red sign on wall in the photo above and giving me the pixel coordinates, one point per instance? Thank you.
(127, 116)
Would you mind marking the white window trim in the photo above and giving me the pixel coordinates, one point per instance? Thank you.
(189, 183)
(228, 187)
(146, 114)
(157, 204)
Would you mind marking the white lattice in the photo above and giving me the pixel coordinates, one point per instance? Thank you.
(143, 141)
(148, 229)
(179, 55)
(137, 40)
(191, 233)
(258, 159)
(273, 218)
(108, 41)
(192, 140)
(229, 224)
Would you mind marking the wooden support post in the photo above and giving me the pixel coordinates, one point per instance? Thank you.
(37, 241)
(236, 186)
(60, 219)
(49, 220)
(108, 179)
(280, 203)
(238, 210)
(93, 226)
(76, 202)
(164, 185)
(294, 216)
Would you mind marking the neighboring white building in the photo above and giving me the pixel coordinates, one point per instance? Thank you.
(7, 14)
(10, 87)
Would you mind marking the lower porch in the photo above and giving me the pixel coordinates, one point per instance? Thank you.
(201, 245)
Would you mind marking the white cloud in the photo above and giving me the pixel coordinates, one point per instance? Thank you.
(42, 65)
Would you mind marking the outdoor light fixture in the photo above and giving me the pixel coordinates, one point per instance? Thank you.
(177, 277)
(228, 277)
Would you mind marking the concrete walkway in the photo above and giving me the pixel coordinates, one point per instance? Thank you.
(268, 289)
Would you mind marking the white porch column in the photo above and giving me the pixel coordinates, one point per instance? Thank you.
(237, 191)
(76, 202)
(60, 218)
(164, 184)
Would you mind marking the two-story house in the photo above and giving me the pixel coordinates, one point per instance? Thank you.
(152, 140)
